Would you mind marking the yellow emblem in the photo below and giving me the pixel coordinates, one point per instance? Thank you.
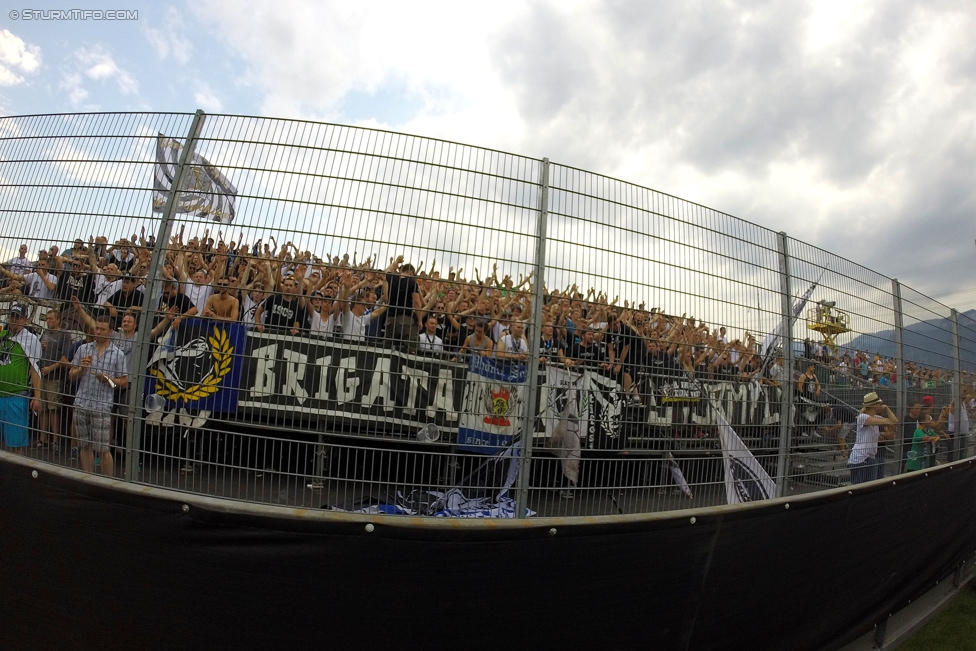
(222, 353)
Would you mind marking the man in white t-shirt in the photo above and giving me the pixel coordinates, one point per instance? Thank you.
(251, 301)
(37, 284)
(198, 289)
(324, 318)
(513, 346)
(722, 337)
(429, 341)
(20, 265)
(107, 283)
(352, 304)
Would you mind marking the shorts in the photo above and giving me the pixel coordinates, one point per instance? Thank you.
(13, 421)
(50, 394)
(93, 428)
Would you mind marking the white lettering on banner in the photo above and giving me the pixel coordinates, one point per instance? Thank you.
(264, 378)
(323, 363)
(443, 398)
(346, 386)
(415, 379)
(714, 393)
(734, 393)
(295, 363)
(698, 419)
(379, 388)
(654, 418)
(768, 418)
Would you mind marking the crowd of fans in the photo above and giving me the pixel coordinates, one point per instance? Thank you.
(96, 288)
(866, 369)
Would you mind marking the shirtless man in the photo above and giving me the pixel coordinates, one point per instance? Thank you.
(222, 306)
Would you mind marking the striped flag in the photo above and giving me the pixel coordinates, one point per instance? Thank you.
(206, 191)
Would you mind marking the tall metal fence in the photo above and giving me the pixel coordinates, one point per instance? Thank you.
(352, 319)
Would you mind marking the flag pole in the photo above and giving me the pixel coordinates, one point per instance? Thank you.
(150, 301)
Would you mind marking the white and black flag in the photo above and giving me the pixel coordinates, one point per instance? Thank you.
(775, 338)
(206, 192)
(745, 478)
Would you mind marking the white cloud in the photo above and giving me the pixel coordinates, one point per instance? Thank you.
(207, 99)
(96, 64)
(99, 65)
(305, 58)
(72, 84)
(16, 58)
(169, 41)
(824, 119)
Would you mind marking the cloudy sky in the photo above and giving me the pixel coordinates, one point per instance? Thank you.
(850, 125)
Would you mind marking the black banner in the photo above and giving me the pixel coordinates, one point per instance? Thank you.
(748, 404)
(288, 377)
(289, 380)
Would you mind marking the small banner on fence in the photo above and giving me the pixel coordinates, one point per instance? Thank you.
(198, 365)
(493, 398)
(563, 417)
(206, 192)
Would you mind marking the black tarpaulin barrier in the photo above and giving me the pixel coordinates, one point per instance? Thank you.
(89, 564)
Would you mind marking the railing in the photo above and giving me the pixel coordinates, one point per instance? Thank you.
(275, 405)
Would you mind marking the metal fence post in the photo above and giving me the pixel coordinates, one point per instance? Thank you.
(901, 388)
(151, 298)
(786, 405)
(532, 381)
(954, 449)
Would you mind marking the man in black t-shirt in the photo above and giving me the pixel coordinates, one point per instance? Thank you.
(174, 306)
(127, 297)
(283, 313)
(549, 346)
(659, 364)
(622, 342)
(585, 353)
(76, 280)
(403, 300)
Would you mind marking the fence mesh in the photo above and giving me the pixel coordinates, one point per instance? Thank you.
(347, 318)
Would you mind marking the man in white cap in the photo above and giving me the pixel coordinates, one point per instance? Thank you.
(20, 351)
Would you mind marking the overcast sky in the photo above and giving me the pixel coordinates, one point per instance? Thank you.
(850, 125)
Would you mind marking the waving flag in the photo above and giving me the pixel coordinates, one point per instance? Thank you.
(774, 337)
(745, 478)
(206, 191)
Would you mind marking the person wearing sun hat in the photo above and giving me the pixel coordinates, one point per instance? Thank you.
(866, 462)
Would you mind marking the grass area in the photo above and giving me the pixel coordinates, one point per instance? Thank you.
(953, 629)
